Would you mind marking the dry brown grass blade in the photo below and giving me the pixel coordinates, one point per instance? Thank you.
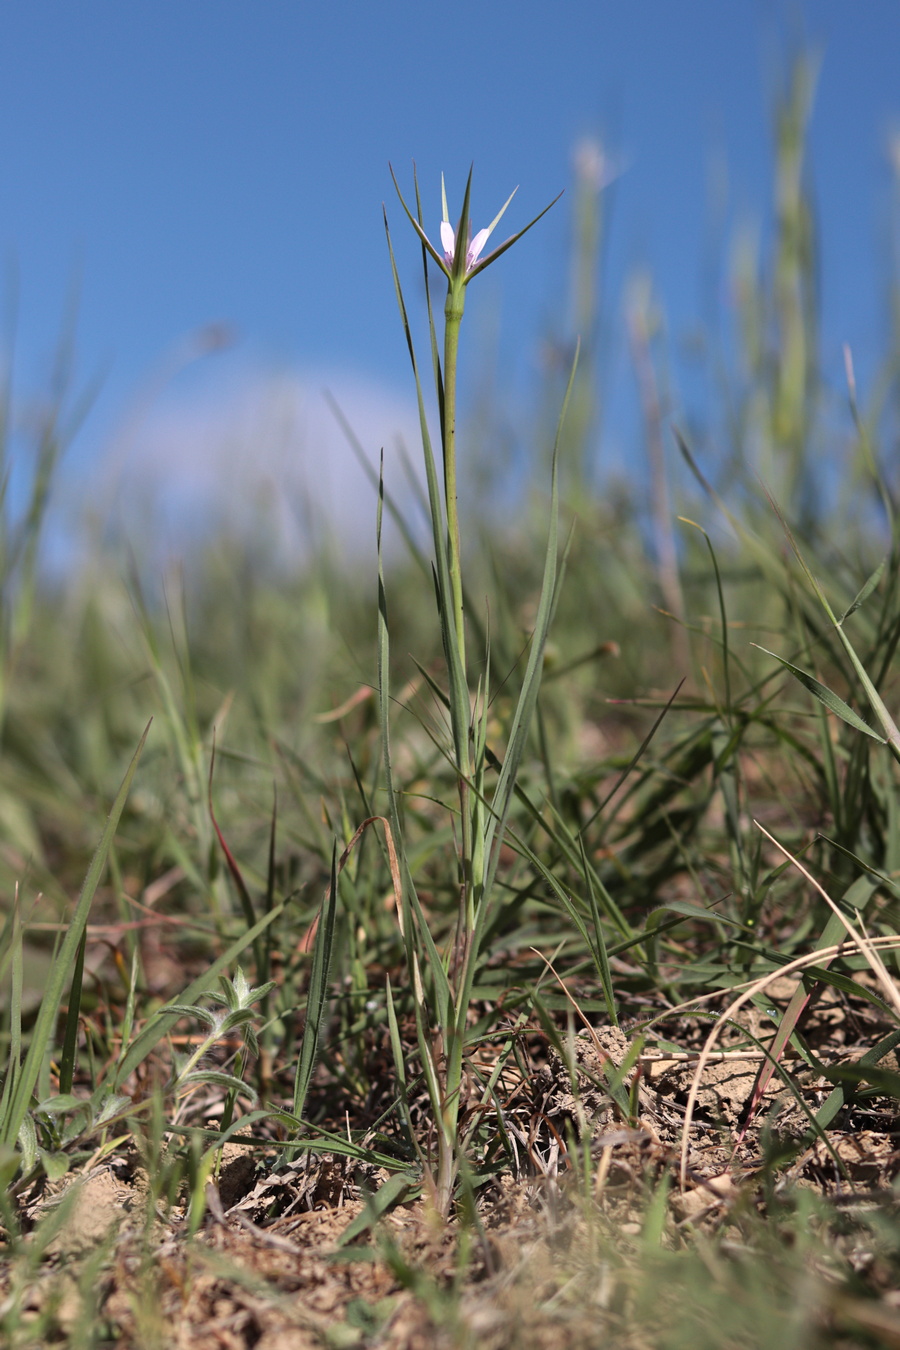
(309, 936)
(794, 1011)
(863, 942)
(820, 957)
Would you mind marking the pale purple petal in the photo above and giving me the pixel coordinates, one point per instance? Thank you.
(475, 248)
(448, 239)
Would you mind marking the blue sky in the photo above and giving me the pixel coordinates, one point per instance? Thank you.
(189, 161)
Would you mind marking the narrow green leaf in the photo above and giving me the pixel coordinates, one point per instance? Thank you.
(459, 699)
(112, 1106)
(390, 502)
(56, 1165)
(863, 885)
(635, 759)
(14, 1064)
(400, 1067)
(833, 933)
(426, 242)
(827, 696)
(410, 916)
(656, 1214)
(864, 593)
(397, 1189)
(521, 723)
(45, 1023)
(878, 707)
(317, 997)
(219, 1079)
(883, 1080)
(28, 1144)
(193, 1010)
(514, 239)
(835, 1100)
(691, 910)
(236, 874)
(55, 1106)
(432, 327)
(598, 946)
(432, 684)
(320, 1141)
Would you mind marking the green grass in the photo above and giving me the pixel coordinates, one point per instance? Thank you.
(377, 860)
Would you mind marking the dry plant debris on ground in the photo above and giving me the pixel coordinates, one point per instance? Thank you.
(554, 1256)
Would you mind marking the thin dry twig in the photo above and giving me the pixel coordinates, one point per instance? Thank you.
(888, 943)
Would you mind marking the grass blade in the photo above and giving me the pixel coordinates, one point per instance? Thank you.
(317, 997)
(521, 723)
(45, 1024)
(70, 1038)
(831, 700)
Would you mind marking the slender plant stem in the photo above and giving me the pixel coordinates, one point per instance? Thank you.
(450, 1076)
(443, 1047)
(453, 313)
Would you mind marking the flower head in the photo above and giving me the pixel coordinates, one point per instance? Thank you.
(458, 265)
(473, 246)
(473, 252)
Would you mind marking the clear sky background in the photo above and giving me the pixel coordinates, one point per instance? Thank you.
(187, 161)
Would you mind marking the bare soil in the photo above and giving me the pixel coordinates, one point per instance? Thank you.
(285, 1259)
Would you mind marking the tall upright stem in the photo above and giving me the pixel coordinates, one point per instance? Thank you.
(443, 1052)
(453, 312)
